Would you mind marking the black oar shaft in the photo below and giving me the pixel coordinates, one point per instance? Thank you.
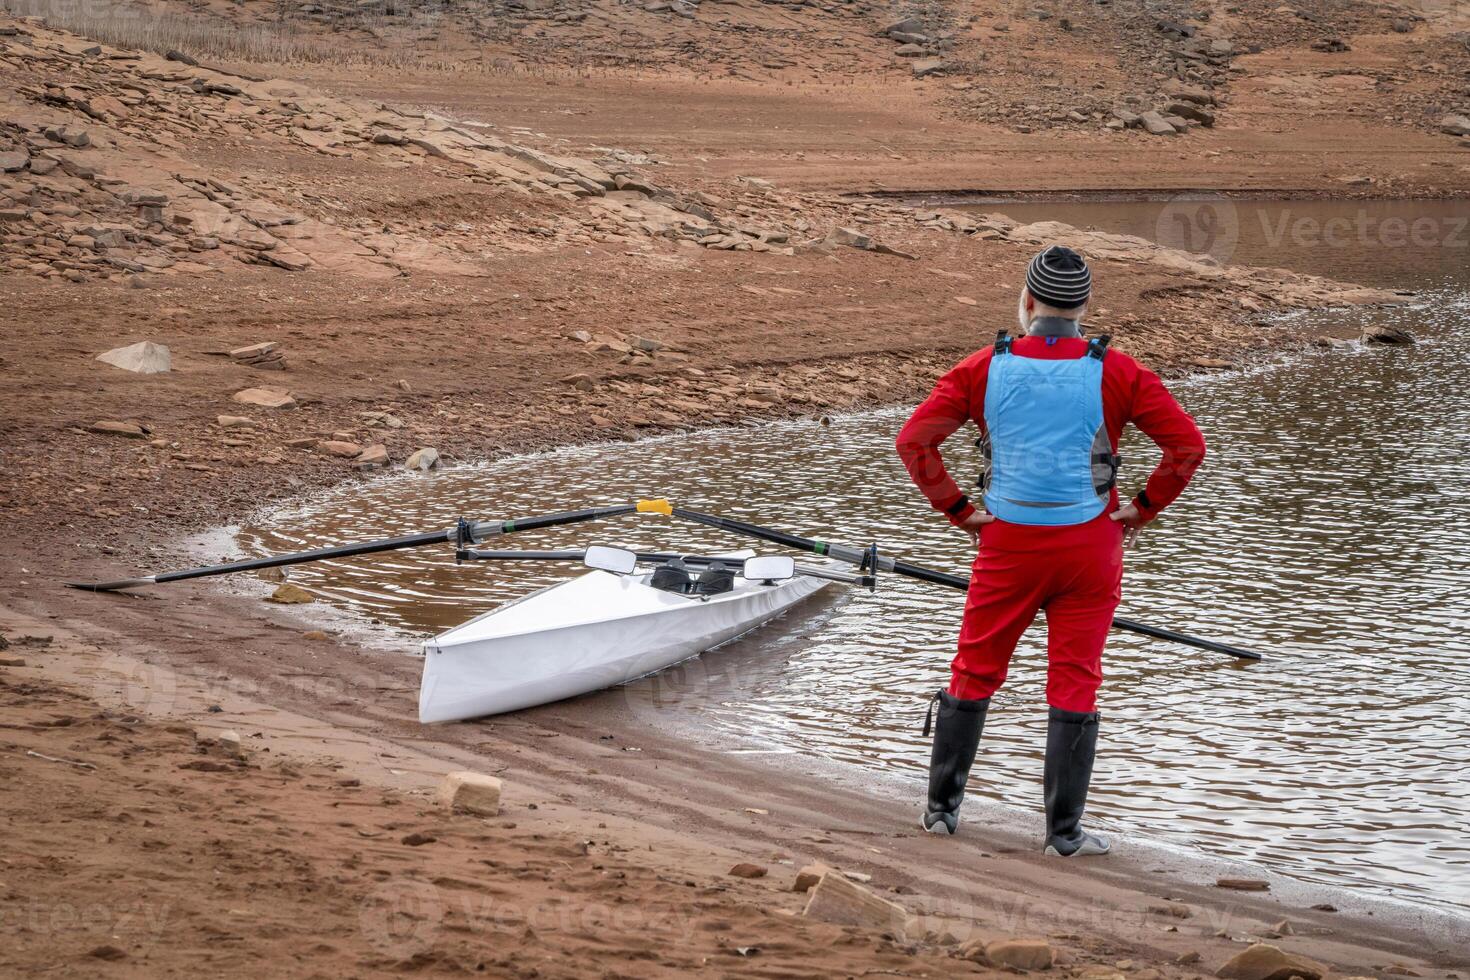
(478, 530)
(846, 553)
(1193, 641)
(316, 554)
(489, 529)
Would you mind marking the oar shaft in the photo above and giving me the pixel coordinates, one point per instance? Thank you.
(855, 555)
(478, 530)
(487, 529)
(316, 554)
(1193, 641)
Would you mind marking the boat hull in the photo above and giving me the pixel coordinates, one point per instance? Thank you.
(622, 629)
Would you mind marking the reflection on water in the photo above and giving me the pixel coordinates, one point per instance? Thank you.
(1327, 528)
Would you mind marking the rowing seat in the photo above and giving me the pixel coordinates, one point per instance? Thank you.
(676, 576)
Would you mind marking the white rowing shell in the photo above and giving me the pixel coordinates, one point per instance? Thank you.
(593, 632)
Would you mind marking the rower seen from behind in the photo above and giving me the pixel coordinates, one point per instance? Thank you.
(1051, 406)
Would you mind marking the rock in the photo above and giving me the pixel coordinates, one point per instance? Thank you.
(267, 354)
(1210, 362)
(229, 743)
(1391, 336)
(924, 67)
(265, 397)
(417, 839)
(335, 447)
(1455, 125)
(144, 357)
(180, 57)
(1186, 959)
(234, 422)
(582, 382)
(1283, 928)
(1243, 884)
(373, 457)
(470, 792)
(747, 870)
(807, 877)
(111, 953)
(1023, 954)
(12, 662)
(13, 160)
(909, 25)
(287, 594)
(1188, 110)
(128, 430)
(850, 237)
(1266, 962)
(1190, 93)
(1155, 125)
(423, 459)
(909, 50)
(837, 900)
(645, 344)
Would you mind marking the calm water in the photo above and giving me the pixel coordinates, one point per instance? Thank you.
(1327, 528)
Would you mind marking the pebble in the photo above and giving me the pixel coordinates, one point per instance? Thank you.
(290, 595)
(1023, 954)
(1266, 962)
(745, 869)
(1244, 884)
(471, 792)
(128, 430)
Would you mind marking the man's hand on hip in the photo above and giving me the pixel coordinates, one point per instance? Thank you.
(972, 525)
(1133, 521)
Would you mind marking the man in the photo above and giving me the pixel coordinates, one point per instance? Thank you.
(1050, 406)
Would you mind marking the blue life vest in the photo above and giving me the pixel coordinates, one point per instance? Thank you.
(1049, 458)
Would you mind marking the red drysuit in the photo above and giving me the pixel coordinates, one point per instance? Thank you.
(1073, 572)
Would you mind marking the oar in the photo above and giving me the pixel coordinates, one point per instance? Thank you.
(856, 556)
(464, 531)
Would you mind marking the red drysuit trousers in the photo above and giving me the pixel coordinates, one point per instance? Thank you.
(1078, 587)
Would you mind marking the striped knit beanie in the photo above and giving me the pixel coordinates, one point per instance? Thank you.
(1059, 277)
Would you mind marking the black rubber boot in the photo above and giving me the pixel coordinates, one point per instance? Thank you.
(1071, 745)
(956, 737)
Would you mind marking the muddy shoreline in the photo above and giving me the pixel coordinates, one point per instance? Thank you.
(587, 267)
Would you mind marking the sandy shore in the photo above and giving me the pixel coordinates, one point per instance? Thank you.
(138, 847)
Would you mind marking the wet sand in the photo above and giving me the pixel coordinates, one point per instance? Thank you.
(278, 866)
